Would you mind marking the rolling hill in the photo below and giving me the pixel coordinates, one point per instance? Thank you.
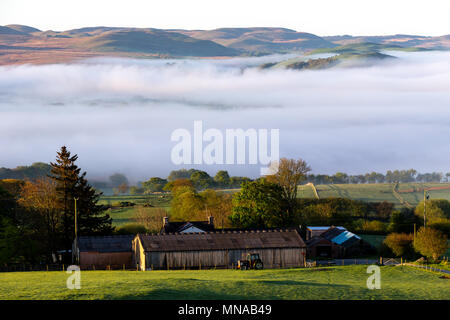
(438, 43)
(24, 44)
(262, 40)
(154, 41)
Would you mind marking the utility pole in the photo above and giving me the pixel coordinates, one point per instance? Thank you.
(426, 196)
(74, 254)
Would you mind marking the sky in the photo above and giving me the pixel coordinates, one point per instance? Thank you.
(118, 114)
(325, 17)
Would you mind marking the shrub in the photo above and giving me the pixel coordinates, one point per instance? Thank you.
(123, 204)
(442, 225)
(131, 228)
(370, 227)
(400, 244)
(431, 243)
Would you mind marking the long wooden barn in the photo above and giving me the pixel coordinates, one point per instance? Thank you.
(278, 248)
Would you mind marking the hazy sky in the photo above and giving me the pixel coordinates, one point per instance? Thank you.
(325, 17)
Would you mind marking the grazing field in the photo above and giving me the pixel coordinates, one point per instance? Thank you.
(376, 192)
(365, 192)
(124, 215)
(347, 282)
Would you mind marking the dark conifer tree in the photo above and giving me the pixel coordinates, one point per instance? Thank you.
(71, 184)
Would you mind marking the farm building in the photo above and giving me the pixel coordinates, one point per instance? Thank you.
(335, 242)
(317, 231)
(278, 248)
(102, 252)
(187, 226)
(323, 248)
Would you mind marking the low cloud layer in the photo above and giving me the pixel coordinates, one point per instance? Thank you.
(118, 114)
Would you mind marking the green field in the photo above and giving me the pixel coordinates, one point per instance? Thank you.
(364, 192)
(375, 192)
(124, 215)
(348, 282)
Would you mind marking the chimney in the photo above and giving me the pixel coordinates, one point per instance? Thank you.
(211, 220)
(165, 221)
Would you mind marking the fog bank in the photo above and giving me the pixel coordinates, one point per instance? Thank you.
(118, 114)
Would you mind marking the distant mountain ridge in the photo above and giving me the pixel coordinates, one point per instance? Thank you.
(24, 44)
(262, 40)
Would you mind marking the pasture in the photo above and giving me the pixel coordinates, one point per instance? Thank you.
(344, 282)
(124, 215)
(365, 192)
(376, 192)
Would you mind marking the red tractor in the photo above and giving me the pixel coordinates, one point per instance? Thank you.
(251, 262)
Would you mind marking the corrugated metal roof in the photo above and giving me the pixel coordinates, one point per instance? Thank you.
(180, 226)
(324, 228)
(119, 243)
(343, 237)
(223, 240)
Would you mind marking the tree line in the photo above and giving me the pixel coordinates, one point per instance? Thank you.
(402, 176)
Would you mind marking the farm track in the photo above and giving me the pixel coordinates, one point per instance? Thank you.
(400, 198)
(313, 187)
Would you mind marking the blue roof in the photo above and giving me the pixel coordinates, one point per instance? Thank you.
(344, 236)
(324, 228)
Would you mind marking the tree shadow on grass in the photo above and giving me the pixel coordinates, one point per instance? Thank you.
(174, 294)
(303, 283)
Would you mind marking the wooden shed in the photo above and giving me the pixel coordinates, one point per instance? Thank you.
(278, 248)
(104, 251)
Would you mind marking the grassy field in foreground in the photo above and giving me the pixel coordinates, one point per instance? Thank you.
(348, 282)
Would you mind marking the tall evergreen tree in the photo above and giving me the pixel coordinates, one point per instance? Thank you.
(70, 184)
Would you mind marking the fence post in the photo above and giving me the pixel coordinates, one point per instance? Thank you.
(63, 266)
(46, 267)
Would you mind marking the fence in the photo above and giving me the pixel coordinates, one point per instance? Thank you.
(19, 267)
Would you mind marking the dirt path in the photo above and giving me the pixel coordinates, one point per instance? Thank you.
(314, 189)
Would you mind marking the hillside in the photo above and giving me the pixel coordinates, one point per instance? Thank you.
(21, 44)
(262, 40)
(154, 41)
(441, 42)
(411, 192)
(364, 48)
(344, 59)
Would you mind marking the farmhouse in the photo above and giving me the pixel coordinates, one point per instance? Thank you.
(187, 226)
(222, 249)
(100, 252)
